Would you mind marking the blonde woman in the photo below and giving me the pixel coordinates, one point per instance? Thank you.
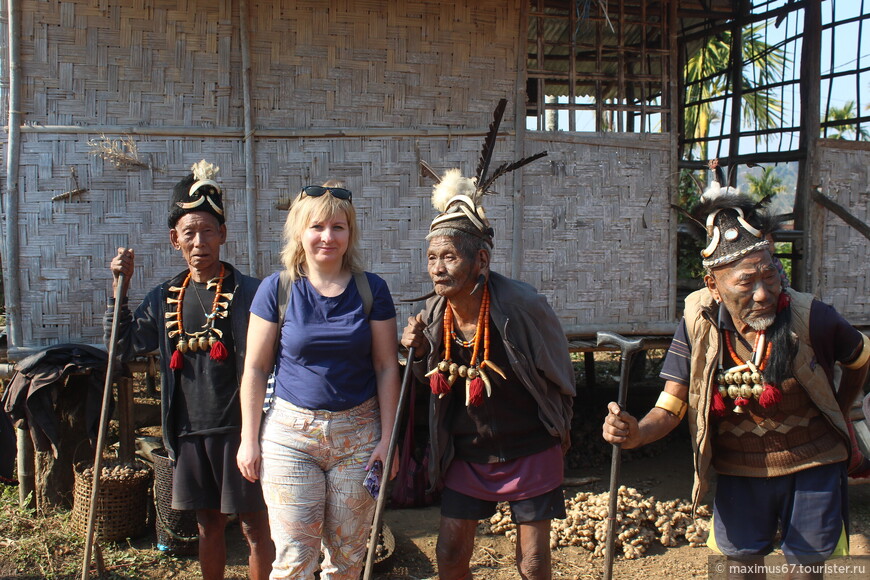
(337, 385)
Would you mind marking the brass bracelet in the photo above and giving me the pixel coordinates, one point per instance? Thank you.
(673, 405)
(862, 358)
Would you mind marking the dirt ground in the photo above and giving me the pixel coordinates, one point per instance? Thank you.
(665, 476)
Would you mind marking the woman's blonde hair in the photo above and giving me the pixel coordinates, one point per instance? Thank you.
(306, 209)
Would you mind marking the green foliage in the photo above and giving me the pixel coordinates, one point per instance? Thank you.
(706, 77)
(767, 184)
(847, 131)
(689, 265)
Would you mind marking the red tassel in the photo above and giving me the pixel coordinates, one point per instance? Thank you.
(784, 301)
(475, 392)
(770, 396)
(741, 401)
(218, 352)
(177, 361)
(718, 407)
(439, 385)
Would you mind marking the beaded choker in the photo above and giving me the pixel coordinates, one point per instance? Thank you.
(207, 339)
(746, 380)
(445, 373)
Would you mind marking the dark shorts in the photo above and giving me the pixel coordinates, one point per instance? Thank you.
(547, 506)
(809, 508)
(206, 476)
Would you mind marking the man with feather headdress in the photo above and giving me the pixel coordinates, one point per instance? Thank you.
(753, 363)
(198, 321)
(496, 359)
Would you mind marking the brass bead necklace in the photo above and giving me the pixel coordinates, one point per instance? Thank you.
(207, 339)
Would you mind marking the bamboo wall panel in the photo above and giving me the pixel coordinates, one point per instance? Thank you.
(67, 244)
(330, 65)
(841, 279)
(598, 231)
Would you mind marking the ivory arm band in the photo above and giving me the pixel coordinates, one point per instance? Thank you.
(673, 405)
(862, 358)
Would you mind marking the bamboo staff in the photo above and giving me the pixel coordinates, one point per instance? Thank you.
(388, 466)
(101, 436)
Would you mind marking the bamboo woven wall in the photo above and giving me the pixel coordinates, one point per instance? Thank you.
(598, 232)
(841, 253)
(414, 70)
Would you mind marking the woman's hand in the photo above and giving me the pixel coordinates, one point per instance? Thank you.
(380, 454)
(248, 459)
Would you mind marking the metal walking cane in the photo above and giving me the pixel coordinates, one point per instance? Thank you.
(101, 435)
(627, 349)
(388, 465)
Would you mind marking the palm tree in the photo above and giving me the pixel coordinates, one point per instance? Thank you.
(768, 184)
(846, 131)
(706, 77)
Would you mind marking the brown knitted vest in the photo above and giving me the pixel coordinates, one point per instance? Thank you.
(779, 440)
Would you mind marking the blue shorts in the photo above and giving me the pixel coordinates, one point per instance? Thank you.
(809, 508)
(547, 506)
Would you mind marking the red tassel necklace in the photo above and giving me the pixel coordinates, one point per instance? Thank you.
(445, 373)
(206, 340)
(746, 380)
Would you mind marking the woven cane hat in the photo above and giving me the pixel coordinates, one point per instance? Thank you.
(198, 191)
(736, 225)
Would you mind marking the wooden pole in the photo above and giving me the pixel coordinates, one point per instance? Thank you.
(26, 476)
(810, 93)
(126, 443)
(101, 435)
(250, 176)
(381, 502)
(10, 252)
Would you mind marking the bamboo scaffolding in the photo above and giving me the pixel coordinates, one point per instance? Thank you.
(11, 250)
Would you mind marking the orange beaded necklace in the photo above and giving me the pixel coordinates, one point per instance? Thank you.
(445, 373)
(206, 340)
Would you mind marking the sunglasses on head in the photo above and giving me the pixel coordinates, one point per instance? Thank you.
(336, 192)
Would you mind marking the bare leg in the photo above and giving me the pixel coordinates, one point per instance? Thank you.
(736, 568)
(255, 526)
(454, 548)
(533, 550)
(812, 571)
(212, 545)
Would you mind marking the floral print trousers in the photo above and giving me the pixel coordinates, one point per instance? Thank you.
(312, 475)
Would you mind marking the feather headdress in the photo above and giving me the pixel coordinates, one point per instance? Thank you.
(458, 198)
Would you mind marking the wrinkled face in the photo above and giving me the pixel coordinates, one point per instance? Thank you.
(451, 272)
(749, 289)
(325, 239)
(199, 236)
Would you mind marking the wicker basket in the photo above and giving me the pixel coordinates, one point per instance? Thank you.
(122, 504)
(177, 531)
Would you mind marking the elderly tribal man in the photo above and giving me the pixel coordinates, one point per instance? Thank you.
(502, 385)
(198, 320)
(754, 365)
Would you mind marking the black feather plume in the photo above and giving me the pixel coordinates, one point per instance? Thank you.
(489, 143)
(505, 168)
(427, 171)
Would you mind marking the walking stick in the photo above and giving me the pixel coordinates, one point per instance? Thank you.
(101, 435)
(388, 465)
(627, 349)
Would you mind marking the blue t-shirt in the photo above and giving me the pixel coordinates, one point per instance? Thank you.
(325, 360)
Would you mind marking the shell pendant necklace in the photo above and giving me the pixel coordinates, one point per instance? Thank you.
(746, 380)
(445, 373)
(207, 339)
